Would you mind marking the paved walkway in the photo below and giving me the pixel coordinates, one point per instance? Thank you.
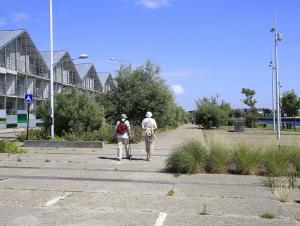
(88, 187)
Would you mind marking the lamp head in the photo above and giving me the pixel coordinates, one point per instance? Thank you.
(273, 29)
(271, 64)
(83, 56)
(279, 37)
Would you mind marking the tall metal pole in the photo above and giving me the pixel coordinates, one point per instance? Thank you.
(51, 71)
(271, 65)
(273, 101)
(277, 86)
(277, 38)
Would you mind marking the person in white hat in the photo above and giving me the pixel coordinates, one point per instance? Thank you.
(150, 126)
(123, 136)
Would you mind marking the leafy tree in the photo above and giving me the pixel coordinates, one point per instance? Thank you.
(210, 114)
(108, 105)
(267, 111)
(75, 112)
(251, 116)
(142, 89)
(290, 103)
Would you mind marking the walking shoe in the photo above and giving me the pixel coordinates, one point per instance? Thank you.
(118, 159)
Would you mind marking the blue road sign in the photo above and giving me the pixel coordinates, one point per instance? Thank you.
(28, 98)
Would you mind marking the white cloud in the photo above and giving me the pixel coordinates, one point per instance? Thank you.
(178, 89)
(2, 22)
(20, 16)
(184, 73)
(154, 4)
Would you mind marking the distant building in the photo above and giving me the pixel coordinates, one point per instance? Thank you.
(89, 77)
(23, 69)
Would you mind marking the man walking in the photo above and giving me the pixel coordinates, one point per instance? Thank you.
(123, 136)
(149, 125)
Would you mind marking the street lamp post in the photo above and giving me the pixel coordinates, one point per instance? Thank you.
(277, 38)
(51, 71)
(81, 56)
(273, 92)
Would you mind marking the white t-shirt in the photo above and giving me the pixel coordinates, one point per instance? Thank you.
(125, 135)
(148, 123)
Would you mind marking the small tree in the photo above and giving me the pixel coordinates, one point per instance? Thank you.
(251, 116)
(142, 89)
(75, 112)
(290, 103)
(209, 113)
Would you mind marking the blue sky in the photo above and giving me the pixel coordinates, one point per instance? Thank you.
(204, 47)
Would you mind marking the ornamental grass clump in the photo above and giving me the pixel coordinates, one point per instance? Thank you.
(190, 157)
(293, 156)
(245, 160)
(276, 161)
(218, 157)
(10, 147)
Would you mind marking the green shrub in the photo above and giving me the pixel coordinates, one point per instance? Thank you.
(75, 112)
(293, 156)
(107, 133)
(10, 147)
(138, 134)
(268, 215)
(34, 134)
(218, 158)
(250, 120)
(230, 121)
(275, 161)
(245, 160)
(190, 157)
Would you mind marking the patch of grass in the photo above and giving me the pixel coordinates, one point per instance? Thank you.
(270, 182)
(268, 215)
(171, 192)
(204, 210)
(47, 160)
(218, 158)
(10, 147)
(190, 157)
(275, 161)
(245, 159)
(283, 195)
(34, 134)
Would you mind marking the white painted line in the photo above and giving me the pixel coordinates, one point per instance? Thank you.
(161, 218)
(53, 201)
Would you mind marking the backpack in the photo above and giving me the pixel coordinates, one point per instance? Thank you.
(122, 128)
(150, 134)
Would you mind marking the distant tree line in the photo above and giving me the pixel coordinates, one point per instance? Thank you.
(209, 113)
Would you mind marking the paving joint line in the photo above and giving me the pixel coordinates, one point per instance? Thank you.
(125, 180)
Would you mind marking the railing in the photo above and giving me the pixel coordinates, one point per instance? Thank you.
(26, 68)
(20, 90)
(37, 71)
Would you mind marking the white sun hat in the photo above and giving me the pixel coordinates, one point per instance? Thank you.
(148, 114)
(123, 116)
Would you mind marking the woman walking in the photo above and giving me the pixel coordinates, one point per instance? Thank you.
(149, 125)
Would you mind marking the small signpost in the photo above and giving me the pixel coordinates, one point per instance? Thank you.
(28, 100)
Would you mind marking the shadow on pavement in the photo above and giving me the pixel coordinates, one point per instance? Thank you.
(111, 158)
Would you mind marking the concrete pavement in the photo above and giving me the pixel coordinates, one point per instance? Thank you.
(53, 186)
